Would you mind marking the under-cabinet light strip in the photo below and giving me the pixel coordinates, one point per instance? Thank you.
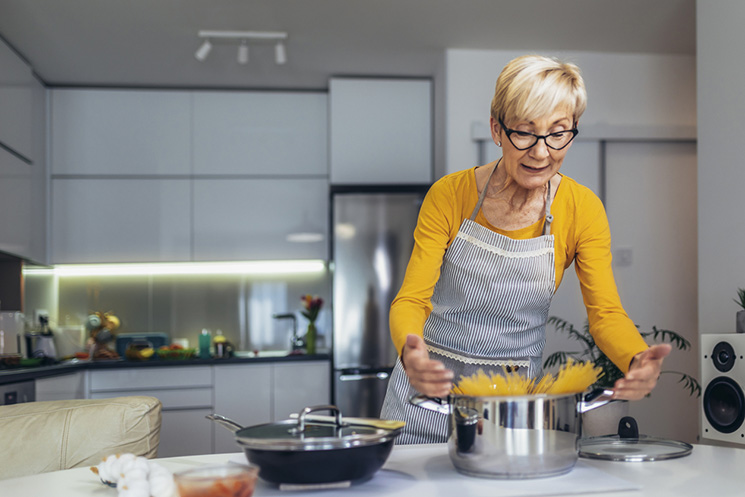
(182, 268)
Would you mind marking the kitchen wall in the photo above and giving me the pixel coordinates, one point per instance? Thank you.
(181, 306)
(721, 175)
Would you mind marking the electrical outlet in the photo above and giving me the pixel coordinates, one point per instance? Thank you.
(39, 313)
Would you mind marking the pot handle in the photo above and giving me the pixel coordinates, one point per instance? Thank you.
(435, 404)
(594, 399)
(226, 422)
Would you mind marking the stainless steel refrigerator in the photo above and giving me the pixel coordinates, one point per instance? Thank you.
(371, 244)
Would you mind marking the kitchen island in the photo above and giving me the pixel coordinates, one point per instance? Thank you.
(413, 470)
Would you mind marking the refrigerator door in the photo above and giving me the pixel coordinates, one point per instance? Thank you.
(372, 243)
(360, 393)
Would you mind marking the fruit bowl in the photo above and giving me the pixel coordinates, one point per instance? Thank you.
(175, 354)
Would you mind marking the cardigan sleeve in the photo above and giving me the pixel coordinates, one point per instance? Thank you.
(614, 332)
(437, 225)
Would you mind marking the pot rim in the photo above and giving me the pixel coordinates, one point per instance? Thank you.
(514, 398)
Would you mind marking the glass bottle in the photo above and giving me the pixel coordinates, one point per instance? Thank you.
(205, 340)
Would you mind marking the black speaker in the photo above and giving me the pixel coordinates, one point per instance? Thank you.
(723, 380)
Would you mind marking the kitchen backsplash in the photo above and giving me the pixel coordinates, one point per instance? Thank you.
(181, 306)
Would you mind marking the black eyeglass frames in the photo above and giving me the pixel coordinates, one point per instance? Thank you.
(522, 140)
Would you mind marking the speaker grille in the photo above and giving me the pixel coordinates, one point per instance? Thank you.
(723, 404)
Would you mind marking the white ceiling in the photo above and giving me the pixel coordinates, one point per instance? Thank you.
(152, 42)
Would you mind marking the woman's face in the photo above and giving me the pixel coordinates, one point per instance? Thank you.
(534, 167)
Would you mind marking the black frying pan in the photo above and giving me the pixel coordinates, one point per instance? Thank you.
(298, 451)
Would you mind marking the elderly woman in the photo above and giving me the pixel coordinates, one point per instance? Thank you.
(491, 246)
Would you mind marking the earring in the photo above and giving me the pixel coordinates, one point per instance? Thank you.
(499, 144)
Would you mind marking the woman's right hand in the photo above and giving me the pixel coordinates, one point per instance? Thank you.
(427, 376)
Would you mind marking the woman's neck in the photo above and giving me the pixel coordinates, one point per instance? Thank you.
(503, 189)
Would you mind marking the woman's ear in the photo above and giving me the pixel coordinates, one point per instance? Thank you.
(496, 131)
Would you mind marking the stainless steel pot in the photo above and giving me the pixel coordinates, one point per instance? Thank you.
(529, 436)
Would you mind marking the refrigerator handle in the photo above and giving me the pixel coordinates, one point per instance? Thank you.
(366, 376)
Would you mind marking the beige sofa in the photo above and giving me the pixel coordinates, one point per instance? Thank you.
(37, 437)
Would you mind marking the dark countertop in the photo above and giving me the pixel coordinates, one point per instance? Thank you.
(24, 374)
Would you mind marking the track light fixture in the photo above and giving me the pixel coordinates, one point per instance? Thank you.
(243, 38)
(280, 54)
(243, 53)
(204, 50)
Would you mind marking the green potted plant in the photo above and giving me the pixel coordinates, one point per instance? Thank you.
(589, 351)
(740, 300)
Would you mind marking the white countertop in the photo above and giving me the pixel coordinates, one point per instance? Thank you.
(426, 470)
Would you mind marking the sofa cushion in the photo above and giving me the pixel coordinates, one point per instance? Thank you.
(37, 437)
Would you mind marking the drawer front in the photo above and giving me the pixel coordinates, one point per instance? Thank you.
(171, 399)
(151, 378)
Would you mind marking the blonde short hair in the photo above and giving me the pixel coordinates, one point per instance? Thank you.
(534, 86)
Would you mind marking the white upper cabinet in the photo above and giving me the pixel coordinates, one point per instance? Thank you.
(239, 219)
(23, 172)
(120, 132)
(17, 198)
(260, 133)
(121, 220)
(381, 131)
(17, 86)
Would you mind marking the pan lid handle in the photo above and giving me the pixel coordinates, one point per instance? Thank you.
(335, 411)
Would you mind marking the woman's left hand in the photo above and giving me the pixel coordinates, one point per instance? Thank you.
(643, 373)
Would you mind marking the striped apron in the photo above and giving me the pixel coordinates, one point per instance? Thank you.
(489, 309)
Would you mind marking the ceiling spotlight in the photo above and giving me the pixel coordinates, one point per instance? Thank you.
(243, 52)
(280, 55)
(203, 51)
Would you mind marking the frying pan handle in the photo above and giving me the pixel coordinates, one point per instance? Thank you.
(431, 403)
(301, 418)
(226, 422)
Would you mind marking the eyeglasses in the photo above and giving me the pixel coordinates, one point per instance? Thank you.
(522, 140)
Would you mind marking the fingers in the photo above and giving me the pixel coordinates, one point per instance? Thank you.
(431, 378)
(427, 376)
(643, 374)
(657, 352)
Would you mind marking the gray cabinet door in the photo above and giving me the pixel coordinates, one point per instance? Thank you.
(260, 133)
(381, 131)
(17, 88)
(243, 219)
(121, 220)
(120, 132)
(243, 393)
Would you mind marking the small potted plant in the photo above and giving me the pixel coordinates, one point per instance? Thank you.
(740, 300)
(311, 308)
(594, 423)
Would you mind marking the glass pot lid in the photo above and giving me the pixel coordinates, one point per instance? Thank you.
(629, 446)
(643, 448)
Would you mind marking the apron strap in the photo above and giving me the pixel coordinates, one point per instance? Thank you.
(483, 192)
(547, 220)
(549, 217)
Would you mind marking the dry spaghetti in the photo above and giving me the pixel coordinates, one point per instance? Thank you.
(573, 377)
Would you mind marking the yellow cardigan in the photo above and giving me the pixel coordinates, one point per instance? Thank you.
(581, 234)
